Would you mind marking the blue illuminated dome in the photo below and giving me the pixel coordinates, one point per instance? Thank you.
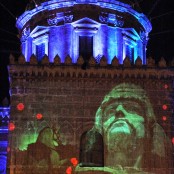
(87, 28)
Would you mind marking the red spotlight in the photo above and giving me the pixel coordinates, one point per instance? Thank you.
(164, 118)
(166, 86)
(69, 170)
(8, 149)
(164, 107)
(11, 126)
(173, 140)
(74, 161)
(20, 107)
(39, 116)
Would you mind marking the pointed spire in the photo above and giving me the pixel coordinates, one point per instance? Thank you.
(115, 62)
(127, 62)
(21, 59)
(68, 60)
(103, 61)
(138, 62)
(80, 60)
(33, 59)
(45, 60)
(11, 59)
(162, 62)
(57, 60)
(150, 62)
(92, 61)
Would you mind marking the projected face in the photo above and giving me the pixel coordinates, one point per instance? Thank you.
(124, 116)
(123, 123)
(121, 119)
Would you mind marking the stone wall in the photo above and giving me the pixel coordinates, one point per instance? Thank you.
(68, 98)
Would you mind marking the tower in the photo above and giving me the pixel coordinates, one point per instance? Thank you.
(84, 99)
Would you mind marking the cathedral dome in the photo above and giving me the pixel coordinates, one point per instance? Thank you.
(108, 28)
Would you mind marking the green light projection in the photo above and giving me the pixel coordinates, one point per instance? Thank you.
(29, 133)
(42, 147)
(122, 117)
(27, 139)
(131, 135)
(125, 138)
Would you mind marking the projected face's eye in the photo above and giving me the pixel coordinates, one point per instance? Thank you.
(109, 112)
(127, 106)
(133, 108)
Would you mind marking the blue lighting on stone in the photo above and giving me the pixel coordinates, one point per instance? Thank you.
(3, 163)
(112, 34)
(4, 119)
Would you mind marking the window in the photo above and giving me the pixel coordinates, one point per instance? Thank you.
(40, 51)
(91, 150)
(130, 53)
(86, 47)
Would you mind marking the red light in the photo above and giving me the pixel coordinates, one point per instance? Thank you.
(39, 116)
(173, 140)
(164, 107)
(164, 118)
(166, 86)
(69, 170)
(11, 126)
(8, 149)
(20, 107)
(74, 161)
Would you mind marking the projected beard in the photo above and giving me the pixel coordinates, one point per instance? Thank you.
(123, 124)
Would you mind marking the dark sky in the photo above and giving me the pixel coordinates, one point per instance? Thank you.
(160, 12)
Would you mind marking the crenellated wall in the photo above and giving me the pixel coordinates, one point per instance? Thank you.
(84, 98)
(68, 98)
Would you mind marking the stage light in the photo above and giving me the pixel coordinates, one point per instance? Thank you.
(74, 161)
(164, 118)
(8, 149)
(69, 170)
(11, 126)
(20, 107)
(166, 86)
(39, 116)
(173, 140)
(164, 107)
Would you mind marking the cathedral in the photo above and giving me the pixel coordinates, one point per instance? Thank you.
(85, 99)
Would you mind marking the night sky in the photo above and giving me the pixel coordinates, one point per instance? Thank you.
(160, 12)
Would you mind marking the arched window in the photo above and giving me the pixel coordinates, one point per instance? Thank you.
(91, 149)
